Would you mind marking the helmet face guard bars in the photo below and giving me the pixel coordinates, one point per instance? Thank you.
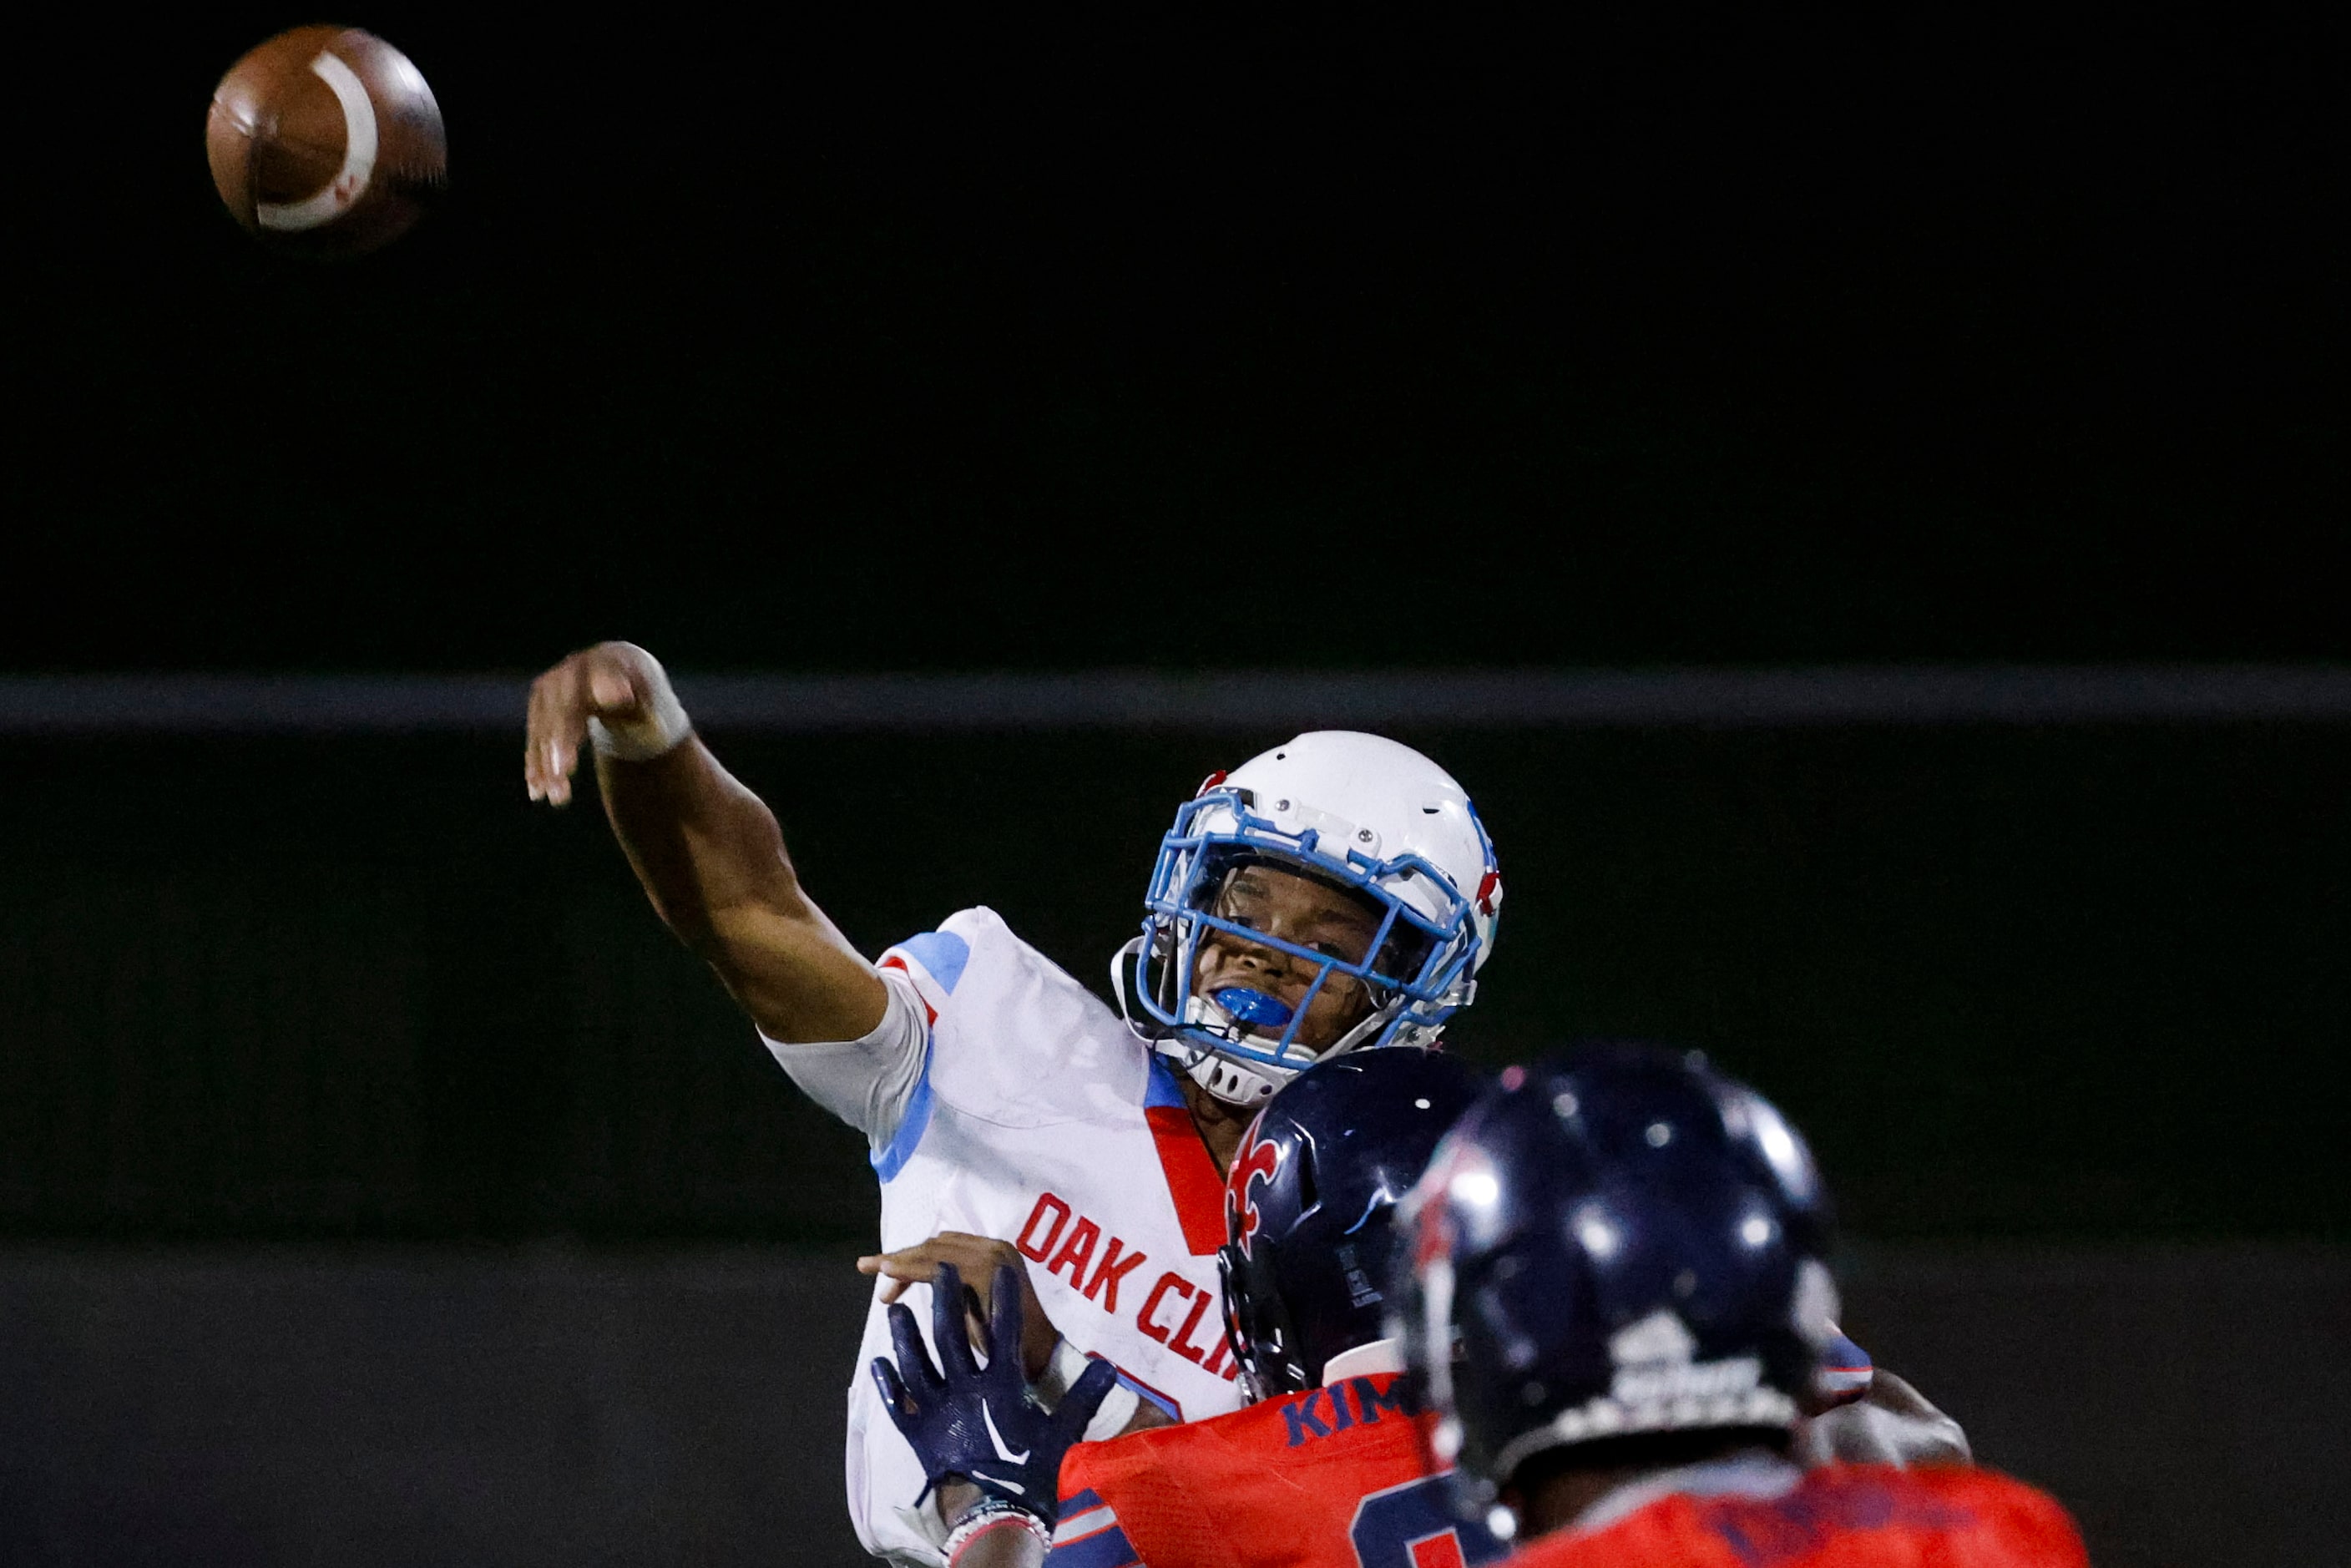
(1259, 1332)
(1194, 857)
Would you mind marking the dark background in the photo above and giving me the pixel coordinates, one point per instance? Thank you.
(871, 336)
(2081, 982)
(379, 1183)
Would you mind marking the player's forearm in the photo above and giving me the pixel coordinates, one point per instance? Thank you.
(700, 842)
(708, 850)
(712, 859)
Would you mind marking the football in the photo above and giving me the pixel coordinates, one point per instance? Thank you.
(326, 141)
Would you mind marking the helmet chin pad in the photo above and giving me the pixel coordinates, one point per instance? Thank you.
(1230, 1079)
(1246, 1082)
(1242, 1083)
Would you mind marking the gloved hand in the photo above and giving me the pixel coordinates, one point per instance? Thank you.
(981, 1423)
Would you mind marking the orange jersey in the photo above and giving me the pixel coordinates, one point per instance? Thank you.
(1845, 1516)
(1332, 1478)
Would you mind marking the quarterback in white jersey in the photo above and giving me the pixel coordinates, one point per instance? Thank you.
(1334, 894)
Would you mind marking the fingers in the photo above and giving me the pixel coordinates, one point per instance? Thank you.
(1077, 1407)
(979, 1243)
(550, 699)
(893, 1394)
(977, 1256)
(596, 681)
(611, 691)
(1037, 1335)
(899, 1270)
(1005, 1316)
(914, 1362)
(948, 1332)
(558, 724)
(912, 1264)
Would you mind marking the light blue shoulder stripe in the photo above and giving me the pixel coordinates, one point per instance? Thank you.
(942, 954)
(890, 1160)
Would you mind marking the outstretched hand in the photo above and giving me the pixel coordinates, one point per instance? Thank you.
(981, 1423)
(611, 681)
(980, 1258)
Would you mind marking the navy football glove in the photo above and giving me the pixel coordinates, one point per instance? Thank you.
(981, 1424)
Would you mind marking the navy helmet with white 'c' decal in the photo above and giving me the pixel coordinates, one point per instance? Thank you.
(1309, 1247)
(1618, 1244)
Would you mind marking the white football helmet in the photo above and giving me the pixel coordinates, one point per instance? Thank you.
(1356, 811)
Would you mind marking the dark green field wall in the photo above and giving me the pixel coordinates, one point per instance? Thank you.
(2068, 982)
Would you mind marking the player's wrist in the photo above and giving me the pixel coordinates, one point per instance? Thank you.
(658, 726)
(1062, 1370)
(1063, 1367)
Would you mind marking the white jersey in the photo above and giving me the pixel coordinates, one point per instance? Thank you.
(1039, 1118)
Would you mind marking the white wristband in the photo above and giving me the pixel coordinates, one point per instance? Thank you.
(655, 732)
(1062, 1369)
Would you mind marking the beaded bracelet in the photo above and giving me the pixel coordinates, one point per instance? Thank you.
(993, 1513)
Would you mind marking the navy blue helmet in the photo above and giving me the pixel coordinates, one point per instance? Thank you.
(1308, 1250)
(1619, 1243)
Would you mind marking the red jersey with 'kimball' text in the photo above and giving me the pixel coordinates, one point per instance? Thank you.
(1331, 1478)
(1845, 1516)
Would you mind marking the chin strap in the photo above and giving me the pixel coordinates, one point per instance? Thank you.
(1133, 945)
(1194, 1060)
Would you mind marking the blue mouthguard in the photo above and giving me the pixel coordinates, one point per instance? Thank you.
(1254, 1008)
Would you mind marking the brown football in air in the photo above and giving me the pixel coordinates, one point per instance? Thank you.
(326, 141)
